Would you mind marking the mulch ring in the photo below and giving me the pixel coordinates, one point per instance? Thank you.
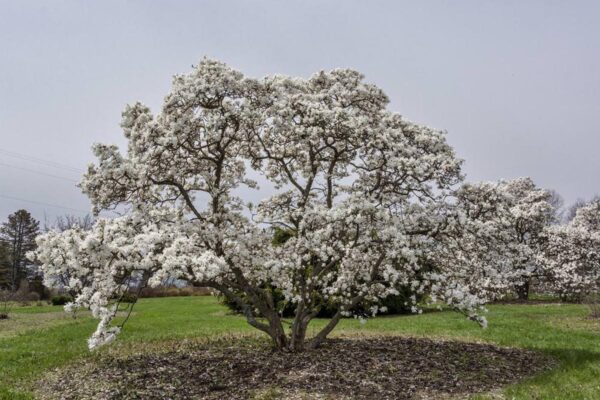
(374, 368)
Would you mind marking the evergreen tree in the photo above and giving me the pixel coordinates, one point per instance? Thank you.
(18, 236)
(4, 267)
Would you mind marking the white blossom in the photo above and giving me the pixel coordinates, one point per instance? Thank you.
(571, 254)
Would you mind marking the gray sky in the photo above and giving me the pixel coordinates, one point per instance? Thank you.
(516, 84)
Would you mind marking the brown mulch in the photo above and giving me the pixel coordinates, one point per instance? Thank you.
(375, 368)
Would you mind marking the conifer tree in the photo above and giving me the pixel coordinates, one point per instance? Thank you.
(18, 236)
(4, 267)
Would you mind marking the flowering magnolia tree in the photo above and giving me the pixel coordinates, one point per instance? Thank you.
(360, 192)
(496, 235)
(479, 243)
(571, 254)
(526, 210)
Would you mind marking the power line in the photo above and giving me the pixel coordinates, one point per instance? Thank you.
(38, 172)
(42, 203)
(48, 163)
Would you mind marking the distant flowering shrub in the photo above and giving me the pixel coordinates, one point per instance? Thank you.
(571, 255)
(502, 233)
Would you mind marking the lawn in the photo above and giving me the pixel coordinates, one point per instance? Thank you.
(40, 338)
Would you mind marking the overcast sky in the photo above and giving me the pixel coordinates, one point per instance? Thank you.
(516, 84)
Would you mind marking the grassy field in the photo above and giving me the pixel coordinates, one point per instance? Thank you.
(37, 339)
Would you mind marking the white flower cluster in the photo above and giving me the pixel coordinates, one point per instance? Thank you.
(100, 265)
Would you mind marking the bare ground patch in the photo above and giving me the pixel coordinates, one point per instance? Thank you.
(372, 368)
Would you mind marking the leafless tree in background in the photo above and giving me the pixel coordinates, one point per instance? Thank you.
(69, 221)
(572, 210)
(558, 203)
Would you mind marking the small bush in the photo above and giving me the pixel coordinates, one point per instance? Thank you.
(61, 300)
(24, 295)
(401, 303)
(173, 291)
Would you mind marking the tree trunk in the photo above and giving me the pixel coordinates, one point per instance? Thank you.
(523, 290)
(298, 335)
(276, 331)
(273, 326)
(322, 335)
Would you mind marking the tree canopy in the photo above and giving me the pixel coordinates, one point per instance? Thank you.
(368, 201)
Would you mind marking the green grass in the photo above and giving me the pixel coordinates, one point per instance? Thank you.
(41, 338)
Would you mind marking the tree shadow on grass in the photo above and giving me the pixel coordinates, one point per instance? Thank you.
(574, 375)
(572, 359)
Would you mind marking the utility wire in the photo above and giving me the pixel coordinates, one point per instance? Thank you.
(47, 163)
(42, 161)
(42, 203)
(38, 172)
(38, 160)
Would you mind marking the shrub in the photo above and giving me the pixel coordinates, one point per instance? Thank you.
(23, 294)
(173, 291)
(401, 303)
(36, 285)
(61, 300)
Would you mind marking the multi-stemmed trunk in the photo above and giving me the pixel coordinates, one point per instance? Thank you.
(271, 322)
(298, 341)
(523, 290)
